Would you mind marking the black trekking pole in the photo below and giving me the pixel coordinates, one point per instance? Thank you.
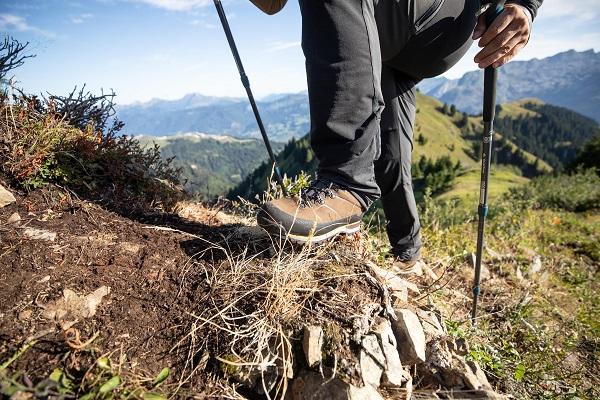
(489, 109)
(246, 84)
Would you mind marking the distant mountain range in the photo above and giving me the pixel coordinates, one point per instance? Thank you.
(570, 79)
(284, 115)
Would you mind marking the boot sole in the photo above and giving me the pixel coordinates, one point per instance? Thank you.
(302, 239)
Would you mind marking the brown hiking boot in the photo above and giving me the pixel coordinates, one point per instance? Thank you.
(321, 212)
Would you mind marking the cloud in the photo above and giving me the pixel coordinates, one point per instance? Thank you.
(11, 22)
(204, 24)
(80, 19)
(280, 46)
(585, 10)
(176, 5)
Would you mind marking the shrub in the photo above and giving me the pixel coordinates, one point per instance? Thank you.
(579, 191)
(66, 141)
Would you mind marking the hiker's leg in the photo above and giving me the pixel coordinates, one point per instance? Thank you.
(393, 168)
(439, 34)
(343, 66)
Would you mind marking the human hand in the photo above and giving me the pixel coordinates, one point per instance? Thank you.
(504, 38)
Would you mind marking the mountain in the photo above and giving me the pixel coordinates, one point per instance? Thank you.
(570, 79)
(428, 85)
(441, 133)
(285, 116)
(211, 165)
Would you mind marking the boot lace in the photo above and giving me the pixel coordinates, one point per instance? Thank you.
(317, 192)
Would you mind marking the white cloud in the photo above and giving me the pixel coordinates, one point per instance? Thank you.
(80, 19)
(11, 22)
(280, 46)
(580, 9)
(176, 5)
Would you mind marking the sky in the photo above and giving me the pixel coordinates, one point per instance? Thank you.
(146, 49)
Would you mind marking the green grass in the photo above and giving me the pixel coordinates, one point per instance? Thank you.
(466, 188)
(442, 135)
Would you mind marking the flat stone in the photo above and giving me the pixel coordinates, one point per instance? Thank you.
(431, 325)
(370, 370)
(6, 197)
(370, 345)
(392, 373)
(312, 344)
(312, 386)
(40, 234)
(14, 218)
(410, 337)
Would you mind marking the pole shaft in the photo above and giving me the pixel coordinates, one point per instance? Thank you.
(489, 110)
(246, 83)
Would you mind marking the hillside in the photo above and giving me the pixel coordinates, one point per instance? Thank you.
(570, 79)
(438, 133)
(552, 133)
(211, 165)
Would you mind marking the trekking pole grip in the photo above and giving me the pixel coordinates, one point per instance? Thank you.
(490, 74)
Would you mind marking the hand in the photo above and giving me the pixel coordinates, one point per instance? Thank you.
(504, 38)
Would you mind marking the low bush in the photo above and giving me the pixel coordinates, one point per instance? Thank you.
(67, 141)
(579, 191)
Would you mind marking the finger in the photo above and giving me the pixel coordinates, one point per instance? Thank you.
(500, 40)
(495, 28)
(509, 56)
(500, 53)
(480, 27)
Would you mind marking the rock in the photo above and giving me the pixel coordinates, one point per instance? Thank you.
(392, 373)
(6, 197)
(25, 315)
(393, 281)
(312, 386)
(72, 307)
(485, 272)
(536, 265)
(431, 325)
(481, 377)
(40, 234)
(410, 337)
(14, 218)
(312, 344)
(370, 370)
(370, 345)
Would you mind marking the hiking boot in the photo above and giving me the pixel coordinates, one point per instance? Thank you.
(322, 211)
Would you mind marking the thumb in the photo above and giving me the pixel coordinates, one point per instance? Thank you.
(480, 28)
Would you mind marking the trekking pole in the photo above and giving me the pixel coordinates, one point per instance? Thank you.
(489, 109)
(246, 83)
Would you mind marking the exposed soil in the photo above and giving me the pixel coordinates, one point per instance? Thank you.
(142, 265)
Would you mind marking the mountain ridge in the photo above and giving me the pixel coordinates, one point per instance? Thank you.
(569, 79)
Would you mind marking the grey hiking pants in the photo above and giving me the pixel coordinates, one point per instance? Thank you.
(363, 60)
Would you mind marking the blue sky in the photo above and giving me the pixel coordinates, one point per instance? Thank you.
(146, 49)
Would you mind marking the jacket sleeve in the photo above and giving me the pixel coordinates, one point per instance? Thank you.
(269, 6)
(531, 5)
